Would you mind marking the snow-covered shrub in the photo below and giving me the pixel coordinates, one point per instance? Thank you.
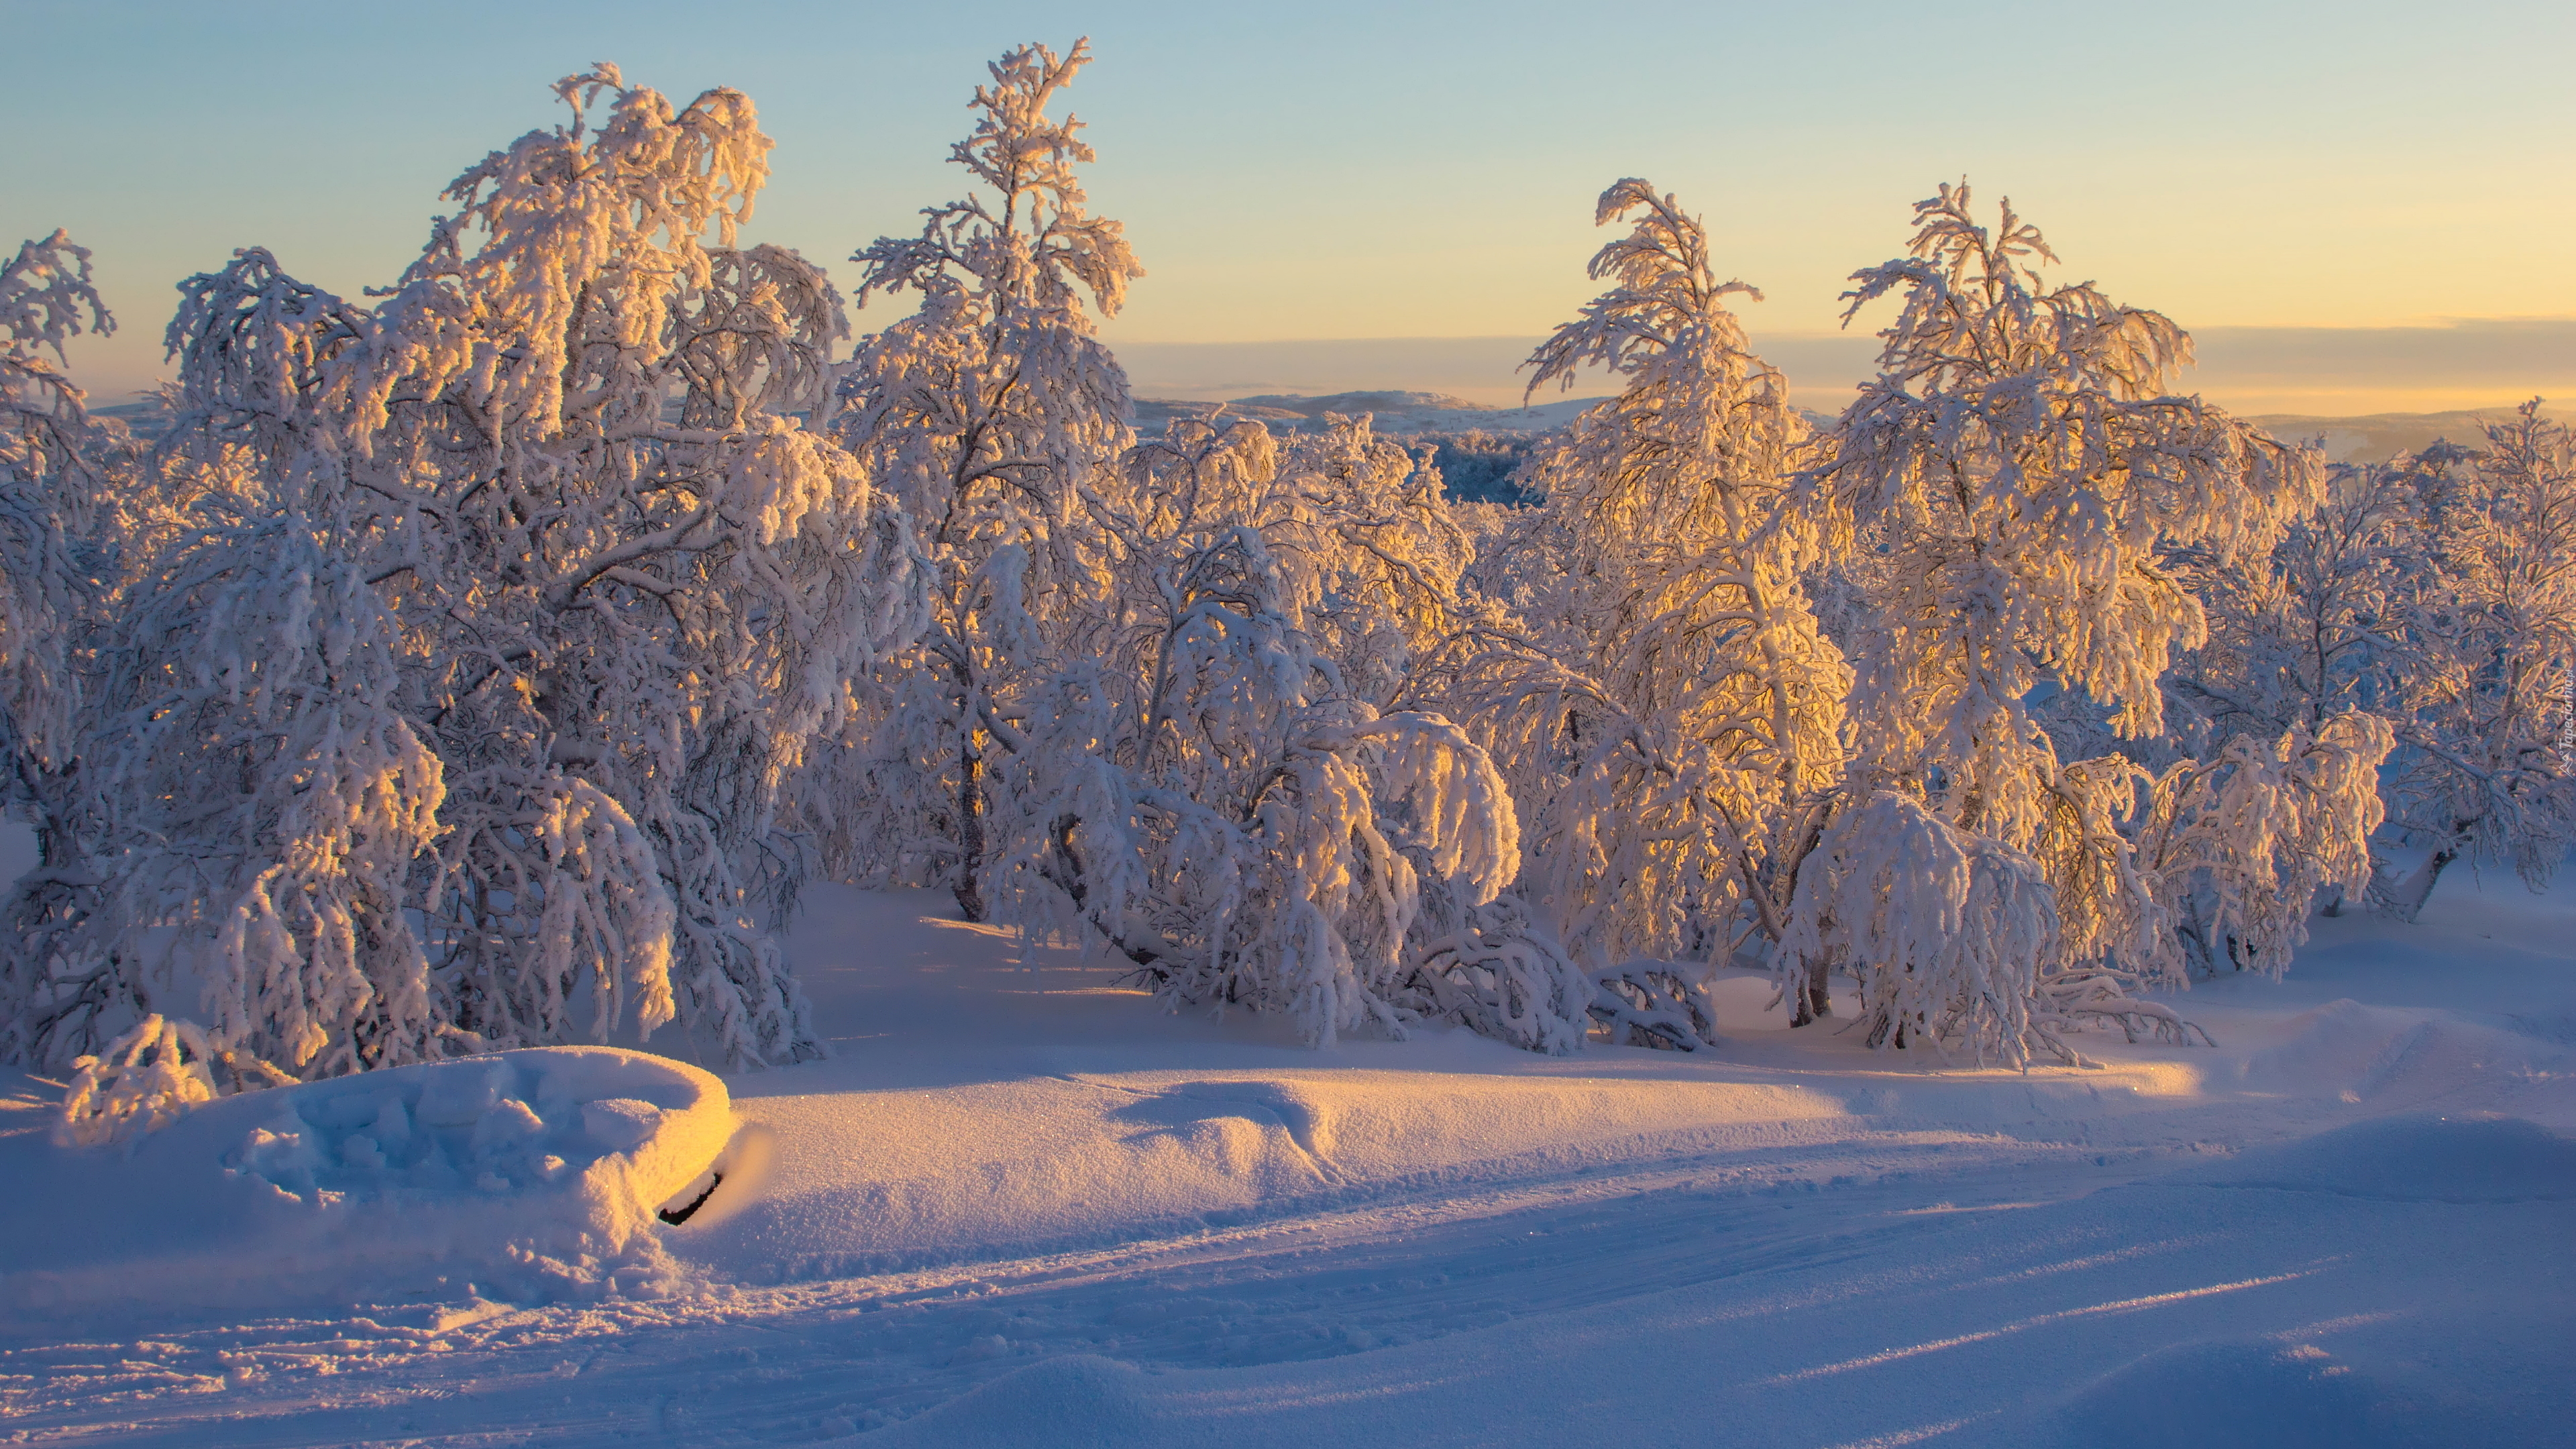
(1501, 978)
(1656, 1004)
(270, 803)
(2241, 844)
(142, 1080)
(1946, 930)
(2486, 679)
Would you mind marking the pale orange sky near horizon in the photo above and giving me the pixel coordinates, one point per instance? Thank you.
(2356, 207)
(2330, 372)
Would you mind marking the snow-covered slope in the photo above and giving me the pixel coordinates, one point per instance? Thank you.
(1021, 1206)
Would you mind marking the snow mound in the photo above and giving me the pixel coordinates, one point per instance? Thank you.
(2393, 1056)
(890, 1180)
(592, 1122)
(1078, 1401)
(2259, 1395)
(2342, 1042)
(528, 1174)
(2413, 1159)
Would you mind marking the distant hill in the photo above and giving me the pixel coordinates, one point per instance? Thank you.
(2374, 438)
(2369, 439)
(2382, 436)
(1392, 412)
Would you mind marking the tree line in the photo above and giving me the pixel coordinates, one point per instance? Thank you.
(493, 661)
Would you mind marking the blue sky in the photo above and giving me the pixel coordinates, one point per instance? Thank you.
(1333, 171)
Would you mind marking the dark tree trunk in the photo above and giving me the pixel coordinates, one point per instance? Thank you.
(2407, 897)
(1813, 999)
(970, 830)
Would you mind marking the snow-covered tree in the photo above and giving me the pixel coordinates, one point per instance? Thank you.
(55, 462)
(2312, 635)
(2293, 648)
(51, 470)
(1285, 840)
(983, 414)
(2027, 468)
(635, 614)
(2487, 765)
(2021, 475)
(1669, 711)
(1156, 711)
(458, 703)
(271, 804)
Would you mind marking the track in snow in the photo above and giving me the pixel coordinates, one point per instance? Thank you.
(790, 1364)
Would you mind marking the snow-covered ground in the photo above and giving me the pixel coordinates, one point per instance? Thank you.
(1021, 1206)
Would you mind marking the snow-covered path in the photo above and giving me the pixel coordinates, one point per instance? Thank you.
(1021, 1209)
(1647, 1306)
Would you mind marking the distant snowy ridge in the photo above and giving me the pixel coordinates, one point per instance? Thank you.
(1392, 412)
(2378, 437)
(2369, 438)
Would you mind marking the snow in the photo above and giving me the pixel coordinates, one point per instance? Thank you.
(1022, 1205)
(535, 1172)
(463, 667)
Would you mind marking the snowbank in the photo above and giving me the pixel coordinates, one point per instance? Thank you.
(873, 1180)
(2359, 1303)
(1023, 1206)
(1026, 1105)
(2483, 1159)
(528, 1173)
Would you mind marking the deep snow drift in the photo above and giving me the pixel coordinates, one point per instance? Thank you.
(536, 1173)
(1021, 1206)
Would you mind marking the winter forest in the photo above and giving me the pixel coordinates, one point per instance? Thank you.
(497, 659)
(494, 661)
